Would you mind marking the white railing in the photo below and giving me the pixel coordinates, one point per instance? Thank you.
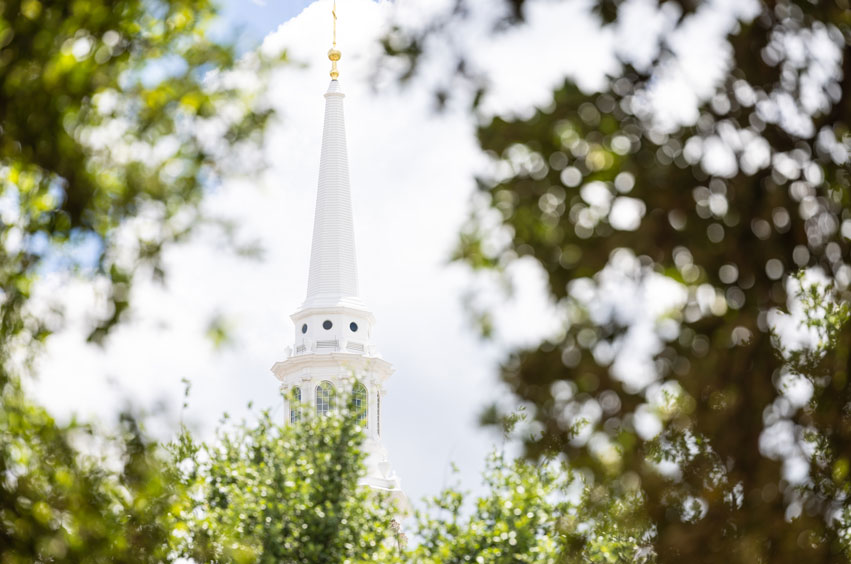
(331, 345)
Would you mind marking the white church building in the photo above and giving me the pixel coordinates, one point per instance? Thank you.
(333, 347)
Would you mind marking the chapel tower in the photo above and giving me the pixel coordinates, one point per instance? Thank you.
(334, 346)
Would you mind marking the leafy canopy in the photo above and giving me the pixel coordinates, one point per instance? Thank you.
(270, 493)
(109, 111)
(738, 436)
(114, 118)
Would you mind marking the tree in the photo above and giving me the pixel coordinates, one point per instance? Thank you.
(290, 493)
(541, 513)
(110, 113)
(271, 493)
(727, 209)
(72, 493)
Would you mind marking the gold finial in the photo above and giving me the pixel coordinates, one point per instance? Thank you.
(334, 54)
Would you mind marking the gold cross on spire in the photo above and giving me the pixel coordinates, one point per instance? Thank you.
(333, 53)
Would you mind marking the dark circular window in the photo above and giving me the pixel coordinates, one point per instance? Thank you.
(353, 326)
(327, 324)
(304, 328)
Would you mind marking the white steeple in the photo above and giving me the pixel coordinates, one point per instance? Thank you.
(334, 354)
(333, 278)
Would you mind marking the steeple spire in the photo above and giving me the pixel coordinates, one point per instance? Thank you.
(333, 279)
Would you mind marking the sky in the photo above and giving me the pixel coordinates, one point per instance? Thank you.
(255, 19)
(412, 176)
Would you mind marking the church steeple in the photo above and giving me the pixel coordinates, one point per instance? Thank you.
(334, 354)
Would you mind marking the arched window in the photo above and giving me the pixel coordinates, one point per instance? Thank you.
(378, 413)
(360, 405)
(324, 398)
(295, 405)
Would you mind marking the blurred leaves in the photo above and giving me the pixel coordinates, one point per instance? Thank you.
(74, 494)
(220, 331)
(541, 513)
(114, 119)
(736, 433)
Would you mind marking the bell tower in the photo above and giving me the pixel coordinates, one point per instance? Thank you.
(333, 344)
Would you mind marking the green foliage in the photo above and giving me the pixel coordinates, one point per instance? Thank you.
(114, 117)
(717, 477)
(514, 522)
(541, 513)
(73, 494)
(272, 493)
(108, 111)
(258, 493)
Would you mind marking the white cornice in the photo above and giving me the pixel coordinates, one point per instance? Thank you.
(294, 364)
(304, 312)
